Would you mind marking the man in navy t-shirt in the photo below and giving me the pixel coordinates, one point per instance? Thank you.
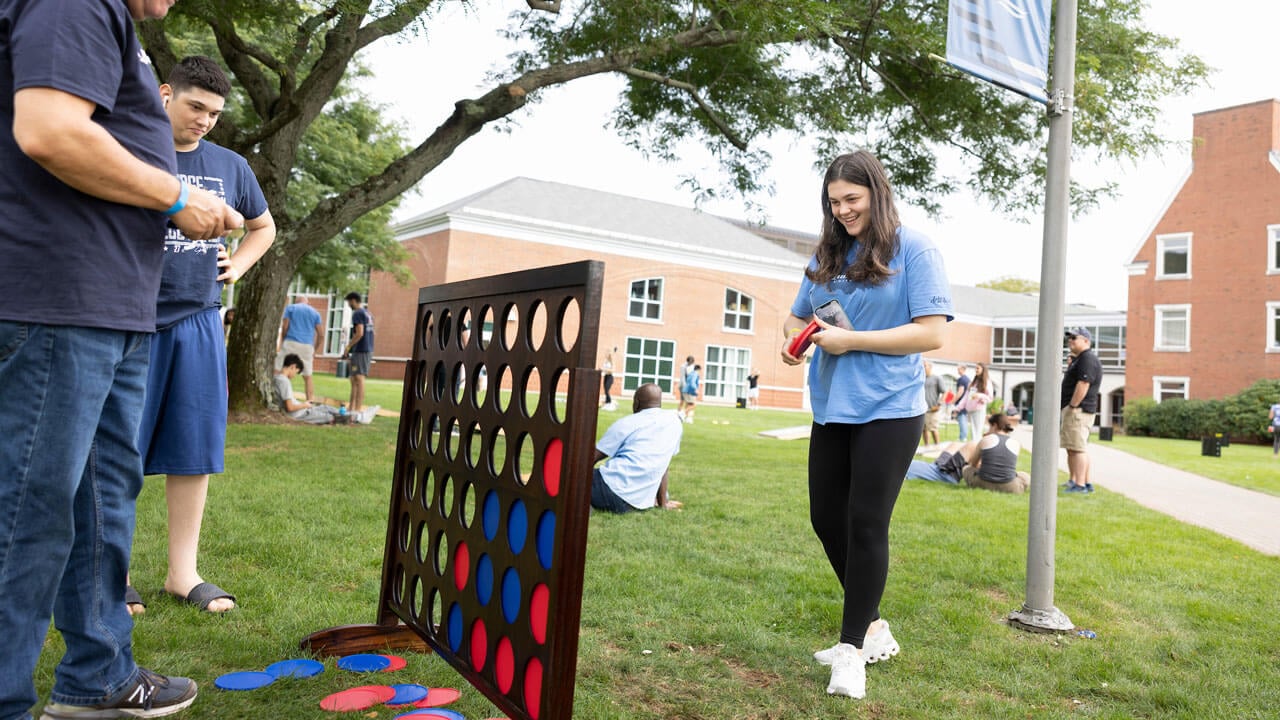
(87, 176)
(184, 421)
(360, 349)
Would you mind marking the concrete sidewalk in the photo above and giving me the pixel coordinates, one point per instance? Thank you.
(1249, 516)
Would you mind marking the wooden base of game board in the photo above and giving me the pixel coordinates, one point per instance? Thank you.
(353, 639)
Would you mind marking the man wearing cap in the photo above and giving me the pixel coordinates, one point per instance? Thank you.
(1080, 385)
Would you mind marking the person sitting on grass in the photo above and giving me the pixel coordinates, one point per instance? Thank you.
(639, 447)
(989, 463)
(306, 411)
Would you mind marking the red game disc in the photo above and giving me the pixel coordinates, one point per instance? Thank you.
(437, 697)
(801, 342)
(396, 661)
(358, 698)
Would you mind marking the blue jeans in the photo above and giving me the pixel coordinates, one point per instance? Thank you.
(962, 417)
(70, 474)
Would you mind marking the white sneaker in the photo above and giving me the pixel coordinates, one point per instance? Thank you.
(877, 647)
(848, 672)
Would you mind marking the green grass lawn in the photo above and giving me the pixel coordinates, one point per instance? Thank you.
(713, 611)
(1247, 466)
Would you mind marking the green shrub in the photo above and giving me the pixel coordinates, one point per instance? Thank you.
(1242, 416)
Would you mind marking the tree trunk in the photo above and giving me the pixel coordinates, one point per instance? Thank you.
(260, 300)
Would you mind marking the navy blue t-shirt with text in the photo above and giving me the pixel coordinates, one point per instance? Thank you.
(365, 343)
(70, 258)
(190, 266)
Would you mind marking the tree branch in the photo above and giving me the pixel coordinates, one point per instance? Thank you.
(240, 57)
(393, 22)
(714, 117)
(551, 6)
(468, 118)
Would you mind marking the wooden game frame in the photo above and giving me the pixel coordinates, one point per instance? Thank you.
(441, 520)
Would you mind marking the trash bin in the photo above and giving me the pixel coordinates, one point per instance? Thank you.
(1105, 432)
(742, 402)
(1224, 440)
(1209, 447)
(343, 369)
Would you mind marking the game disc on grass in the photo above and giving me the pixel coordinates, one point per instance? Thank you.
(299, 668)
(438, 696)
(396, 661)
(364, 663)
(407, 694)
(358, 698)
(438, 713)
(244, 680)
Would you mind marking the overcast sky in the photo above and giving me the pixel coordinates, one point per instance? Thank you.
(565, 139)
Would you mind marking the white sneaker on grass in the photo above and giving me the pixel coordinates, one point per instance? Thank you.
(848, 672)
(877, 647)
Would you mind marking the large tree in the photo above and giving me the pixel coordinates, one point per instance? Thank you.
(724, 73)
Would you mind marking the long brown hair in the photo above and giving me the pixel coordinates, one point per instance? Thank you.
(879, 242)
(980, 378)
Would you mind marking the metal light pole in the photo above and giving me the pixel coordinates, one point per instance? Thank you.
(1038, 612)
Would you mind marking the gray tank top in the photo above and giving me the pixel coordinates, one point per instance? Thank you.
(999, 463)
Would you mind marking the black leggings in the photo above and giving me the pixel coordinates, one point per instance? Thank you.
(855, 474)
(608, 385)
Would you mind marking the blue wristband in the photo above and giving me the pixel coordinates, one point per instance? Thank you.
(181, 202)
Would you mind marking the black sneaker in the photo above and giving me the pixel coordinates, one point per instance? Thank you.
(153, 695)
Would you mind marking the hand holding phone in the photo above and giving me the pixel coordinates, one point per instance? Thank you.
(832, 314)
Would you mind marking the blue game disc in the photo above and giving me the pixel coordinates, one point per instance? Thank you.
(441, 713)
(407, 694)
(364, 663)
(299, 668)
(244, 680)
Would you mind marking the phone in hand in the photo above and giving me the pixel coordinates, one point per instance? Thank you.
(832, 314)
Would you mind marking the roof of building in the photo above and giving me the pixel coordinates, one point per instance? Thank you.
(594, 211)
(573, 206)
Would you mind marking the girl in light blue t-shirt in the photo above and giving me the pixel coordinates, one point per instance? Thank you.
(866, 387)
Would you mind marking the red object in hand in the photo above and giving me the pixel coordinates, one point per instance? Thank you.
(801, 342)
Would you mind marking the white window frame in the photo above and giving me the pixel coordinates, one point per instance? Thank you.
(1273, 253)
(1161, 345)
(663, 375)
(750, 315)
(1161, 242)
(1273, 338)
(1158, 382)
(660, 302)
(728, 389)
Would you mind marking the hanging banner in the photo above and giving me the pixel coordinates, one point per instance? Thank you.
(1005, 42)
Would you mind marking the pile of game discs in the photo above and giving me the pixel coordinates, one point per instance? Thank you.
(425, 702)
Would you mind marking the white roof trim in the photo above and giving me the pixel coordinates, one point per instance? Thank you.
(519, 227)
(1186, 175)
(1275, 159)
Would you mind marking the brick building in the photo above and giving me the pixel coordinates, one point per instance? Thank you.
(1204, 283)
(679, 282)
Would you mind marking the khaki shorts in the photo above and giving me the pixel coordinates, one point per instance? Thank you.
(932, 419)
(1018, 485)
(1074, 433)
(302, 350)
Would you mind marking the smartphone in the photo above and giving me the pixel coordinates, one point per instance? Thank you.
(832, 314)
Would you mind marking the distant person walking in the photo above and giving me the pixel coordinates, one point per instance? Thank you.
(981, 392)
(961, 399)
(359, 349)
(867, 392)
(607, 368)
(753, 389)
(1273, 427)
(689, 393)
(1081, 384)
(933, 400)
(300, 328)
